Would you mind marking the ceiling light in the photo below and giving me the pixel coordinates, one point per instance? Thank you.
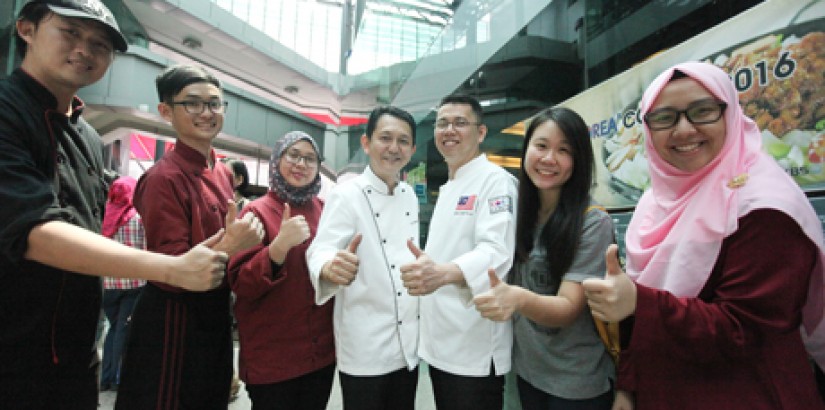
(192, 42)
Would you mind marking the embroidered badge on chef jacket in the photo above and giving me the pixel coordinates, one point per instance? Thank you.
(466, 203)
(500, 204)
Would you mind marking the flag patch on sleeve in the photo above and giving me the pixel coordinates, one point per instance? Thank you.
(501, 204)
(466, 203)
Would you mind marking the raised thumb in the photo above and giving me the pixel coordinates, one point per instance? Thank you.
(353, 244)
(231, 212)
(612, 261)
(494, 280)
(287, 213)
(414, 249)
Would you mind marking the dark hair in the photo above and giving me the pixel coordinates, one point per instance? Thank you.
(176, 78)
(560, 235)
(396, 112)
(465, 99)
(677, 74)
(239, 170)
(34, 12)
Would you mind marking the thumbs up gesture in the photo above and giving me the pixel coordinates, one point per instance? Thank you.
(240, 233)
(420, 277)
(294, 231)
(613, 298)
(343, 268)
(500, 302)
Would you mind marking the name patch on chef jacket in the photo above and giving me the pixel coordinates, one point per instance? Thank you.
(500, 204)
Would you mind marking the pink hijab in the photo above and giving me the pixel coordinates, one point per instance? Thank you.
(679, 224)
(119, 208)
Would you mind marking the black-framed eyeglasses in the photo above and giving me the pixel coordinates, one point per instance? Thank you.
(459, 123)
(197, 106)
(294, 157)
(697, 113)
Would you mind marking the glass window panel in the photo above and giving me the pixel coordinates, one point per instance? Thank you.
(257, 13)
(272, 23)
(391, 31)
(240, 8)
(287, 22)
(317, 34)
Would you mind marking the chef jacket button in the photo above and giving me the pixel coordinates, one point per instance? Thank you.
(377, 215)
(399, 323)
(384, 240)
(399, 293)
(369, 191)
(408, 214)
(392, 266)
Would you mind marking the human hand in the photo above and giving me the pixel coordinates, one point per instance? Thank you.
(294, 231)
(200, 269)
(500, 302)
(420, 276)
(623, 401)
(341, 270)
(240, 233)
(613, 298)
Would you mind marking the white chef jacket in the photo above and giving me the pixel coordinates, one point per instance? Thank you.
(375, 319)
(473, 226)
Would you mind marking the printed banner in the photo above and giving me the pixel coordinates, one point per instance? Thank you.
(775, 54)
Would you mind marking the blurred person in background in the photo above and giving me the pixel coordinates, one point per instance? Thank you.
(240, 181)
(122, 223)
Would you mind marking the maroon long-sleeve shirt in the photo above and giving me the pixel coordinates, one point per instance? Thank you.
(737, 345)
(283, 333)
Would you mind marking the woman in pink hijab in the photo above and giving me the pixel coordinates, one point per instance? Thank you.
(722, 303)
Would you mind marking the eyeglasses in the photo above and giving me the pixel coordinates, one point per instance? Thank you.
(458, 124)
(697, 113)
(197, 106)
(294, 157)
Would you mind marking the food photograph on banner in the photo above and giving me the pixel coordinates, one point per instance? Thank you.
(774, 53)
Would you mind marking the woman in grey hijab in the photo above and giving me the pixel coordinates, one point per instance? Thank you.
(287, 352)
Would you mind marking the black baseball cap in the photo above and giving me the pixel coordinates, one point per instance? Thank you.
(87, 9)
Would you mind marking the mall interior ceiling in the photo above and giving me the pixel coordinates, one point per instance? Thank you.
(529, 72)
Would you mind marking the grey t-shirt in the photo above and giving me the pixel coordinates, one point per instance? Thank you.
(569, 362)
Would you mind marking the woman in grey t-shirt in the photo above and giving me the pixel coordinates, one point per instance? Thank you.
(561, 238)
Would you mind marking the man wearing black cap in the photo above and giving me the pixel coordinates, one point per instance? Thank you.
(53, 191)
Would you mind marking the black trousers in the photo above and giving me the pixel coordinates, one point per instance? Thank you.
(535, 399)
(307, 392)
(454, 392)
(49, 386)
(391, 391)
(179, 352)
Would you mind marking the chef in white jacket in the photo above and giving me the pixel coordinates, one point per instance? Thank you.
(472, 229)
(357, 255)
